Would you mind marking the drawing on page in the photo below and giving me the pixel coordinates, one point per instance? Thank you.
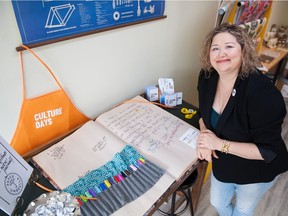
(59, 15)
(150, 10)
(138, 9)
(13, 183)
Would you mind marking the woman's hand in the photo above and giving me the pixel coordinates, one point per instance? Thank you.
(204, 154)
(207, 139)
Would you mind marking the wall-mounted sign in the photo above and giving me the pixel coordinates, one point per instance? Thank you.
(45, 20)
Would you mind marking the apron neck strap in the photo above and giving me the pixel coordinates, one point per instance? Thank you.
(22, 73)
(43, 63)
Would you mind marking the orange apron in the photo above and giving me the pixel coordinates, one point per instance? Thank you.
(44, 118)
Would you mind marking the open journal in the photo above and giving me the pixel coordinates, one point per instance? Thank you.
(159, 136)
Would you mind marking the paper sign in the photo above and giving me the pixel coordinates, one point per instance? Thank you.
(190, 137)
(166, 85)
(14, 175)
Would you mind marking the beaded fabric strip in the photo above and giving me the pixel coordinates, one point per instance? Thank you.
(121, 162)
(127, 176)
(124, 192)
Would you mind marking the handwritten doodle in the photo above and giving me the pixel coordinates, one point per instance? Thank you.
(5, 161)
(100, 145)
(57, 153)
(13, 183)
(154, 145)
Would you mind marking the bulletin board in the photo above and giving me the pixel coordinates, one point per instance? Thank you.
(47, 21)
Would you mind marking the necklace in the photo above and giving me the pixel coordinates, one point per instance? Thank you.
(222, 103)
(225, 90)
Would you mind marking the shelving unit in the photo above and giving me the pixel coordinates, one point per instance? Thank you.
(253, 16)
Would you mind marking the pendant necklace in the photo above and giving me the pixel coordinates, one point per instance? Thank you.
(222, 106)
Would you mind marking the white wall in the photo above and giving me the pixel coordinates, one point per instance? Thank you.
(279, 14)
(101, 70)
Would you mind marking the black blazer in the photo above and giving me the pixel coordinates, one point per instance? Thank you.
(255, 113)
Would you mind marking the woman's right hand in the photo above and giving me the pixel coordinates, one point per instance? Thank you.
(206, 154)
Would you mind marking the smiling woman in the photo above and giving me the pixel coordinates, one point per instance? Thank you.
(226, 58)
(226, 54)
(235, 131)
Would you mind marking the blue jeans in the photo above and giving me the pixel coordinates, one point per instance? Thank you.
(247, 197)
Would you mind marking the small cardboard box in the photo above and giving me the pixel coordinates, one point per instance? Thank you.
(152, 93)
(168, 99)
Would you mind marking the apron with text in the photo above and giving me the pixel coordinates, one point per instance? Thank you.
(44, 118)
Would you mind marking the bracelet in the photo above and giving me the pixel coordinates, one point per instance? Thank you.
(225, 146)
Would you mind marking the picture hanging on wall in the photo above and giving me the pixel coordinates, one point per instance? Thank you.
(47, 21)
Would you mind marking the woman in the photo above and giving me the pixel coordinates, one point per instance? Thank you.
(241, 117)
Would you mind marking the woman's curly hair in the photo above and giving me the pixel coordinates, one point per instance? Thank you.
(250, 59)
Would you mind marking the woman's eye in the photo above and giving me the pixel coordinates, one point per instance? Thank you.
(215, 49)
(229, 47)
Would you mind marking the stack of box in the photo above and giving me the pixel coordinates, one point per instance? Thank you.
(165, 93)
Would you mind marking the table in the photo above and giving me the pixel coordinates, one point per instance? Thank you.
(274, 60)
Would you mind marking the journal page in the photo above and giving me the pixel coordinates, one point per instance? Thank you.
(88, 148)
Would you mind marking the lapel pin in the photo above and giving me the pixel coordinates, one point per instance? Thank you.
(234, 92)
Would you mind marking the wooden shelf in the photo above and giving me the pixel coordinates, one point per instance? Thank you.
(280, 54)
(275, 67)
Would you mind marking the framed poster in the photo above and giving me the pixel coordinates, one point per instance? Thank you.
(50, 20)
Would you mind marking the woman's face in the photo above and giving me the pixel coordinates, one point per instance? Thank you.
(225, 53)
